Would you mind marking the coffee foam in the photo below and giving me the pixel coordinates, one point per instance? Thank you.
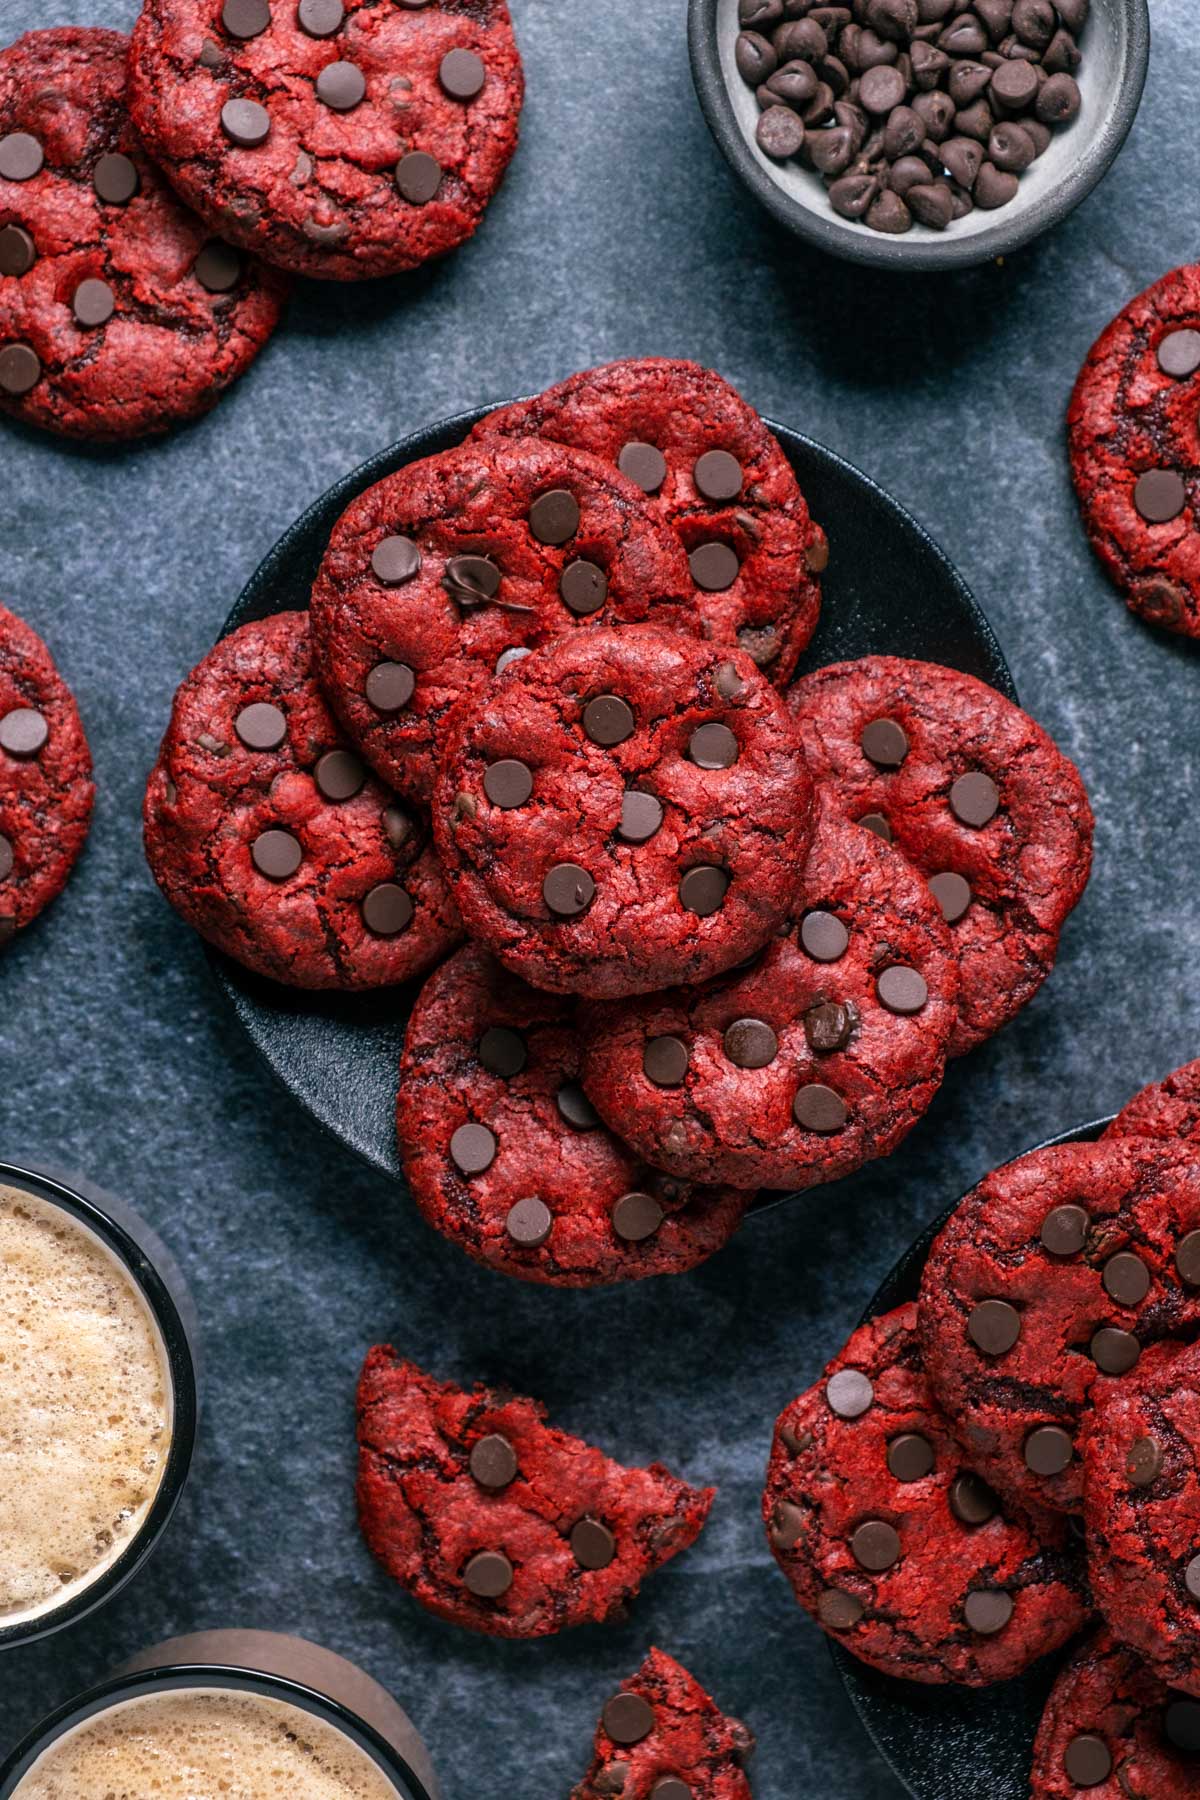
(85, 1408)
(205, 1744)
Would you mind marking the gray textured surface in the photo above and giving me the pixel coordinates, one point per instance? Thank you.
(620, 231)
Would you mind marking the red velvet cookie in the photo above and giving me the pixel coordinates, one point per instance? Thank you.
(661, 1737)
(270, 837)
(891, 1542)
(1135, 447)
(1168, 1109)
(120, 313)
(817, 1058)
(1113, 1731)
(1141, 1506)
(439, 576)
(621, 810)
(46, 790)
(979, 800)
(340, 138)
(1041, 1293)
(505, 1156)
(716, 475)
(494, 1520)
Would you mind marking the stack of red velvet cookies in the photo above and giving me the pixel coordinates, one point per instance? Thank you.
(976, 1474)
(726, 931)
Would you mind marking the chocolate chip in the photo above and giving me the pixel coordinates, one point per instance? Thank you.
(7, 858)
(994, 1327)
(829, 1026)
(876, 1545)
(529, 1223)
(584, 587)
(671, 1788)
(628, 1719)
(637, 1217)
(18, 253)
(1048, 1450)
(340, 775)
(387, 910)
(245, 123)
(593, 1544)
(902, 990)
(1144, 1461)
(849, 1393)
(20, 369)
(750, 1044)
(389, 686)
(641, 816)
(23, 733)
(839, 1611)
(878, 826)
(1115, 1352)
(554, 517)
(471, 580)
(824, 937)
(608, 720)
(261, 726)
(213, 745)
(1014, 84)
(1160, 495)
(714, 567)
(502, 1052)
(473, 1149)
(276, 854)
(952, 894)
(1126, 1278)
(1065, 1230)
(462, 74)
(508, 657)
(702, 890)
(1191, 1577)
(718, 476)
(1179, 354)
(988, 1611)
(643, 465)
(885, 743)
(974, 799)
(245, 18)
(341, 86)
(1181, 1722)
(395, 561)
(818, 1108)
(910, 1457)
(21, 156)
(494, 1462)
(760, 643)
(713, 746)
(665, 1061)
(1087, 1761)
(218, 267)
(568, 890)
(972, 1501)
(488, 1575)
(787, 1525)
(418, 177)
(320, 18)
(508, 784)
(1187, 1259)
(610, 1782)
(575, 1108)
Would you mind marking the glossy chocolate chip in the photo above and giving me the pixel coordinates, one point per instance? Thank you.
(1144, 1461)
(839, 1611)
(218, 267)
(824, 937)
(584, 587)
(878, 826)
(387, 910)
(1179, 354)
(994, 1327)
(1065, 1230)
(473, 1149)
(910, 1457)
(787, 1525)
(636, 1217)
(672, 1788)
(1187, 1259)
(608, 720)
(902, 990)
(1126, 1278)
(702, 890)
(389, 687)
(20, 370)
(574, 1107)
(568, 890)
(1191, 1578)
(829, 1026)
(641, 817)
(628, 1719)
(462, 74)
(395, 561)
(529, 1223)
(494, 1462)
(714, 567)
(665, 1061)
(245, 123)
(488, 1575)
(713, 746)
(276, 854)
(508, 784)
(593, 1544)
(849, 1393)
(261, 726)
(340, 775)
(1181, 1722)
(1115, 1352)
(876, 1545)
(116, 179)
(974, 799)
(817, 1108)
(1160, 495)
(885, 743)
(988, 1611)
(471, 580)
(718, 476)
(341, 86)
(21, 156)
(245, 18)
(418, 177)
(952, 894)
(7, 858)
(1087, 1761)
(1048, 1450)
(643, 465)
(750, 1044)
(972, 1501)
(18, 252)
(502, 1052)
(320, 18)
(554, 517)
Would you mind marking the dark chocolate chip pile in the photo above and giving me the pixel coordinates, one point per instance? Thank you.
(912, 111)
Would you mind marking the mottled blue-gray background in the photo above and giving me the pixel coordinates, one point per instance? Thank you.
(619, 232)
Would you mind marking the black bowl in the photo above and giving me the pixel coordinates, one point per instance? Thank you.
(889, 590)
(951, 1743)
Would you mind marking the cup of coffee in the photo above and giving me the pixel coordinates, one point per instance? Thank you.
(228, 1715)
(97, 1399)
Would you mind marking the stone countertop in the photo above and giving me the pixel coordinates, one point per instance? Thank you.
(620, 231)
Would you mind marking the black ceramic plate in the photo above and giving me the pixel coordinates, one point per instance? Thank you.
(888, 590)
(948, 1743)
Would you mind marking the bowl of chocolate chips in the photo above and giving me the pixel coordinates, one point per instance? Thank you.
(919, 134)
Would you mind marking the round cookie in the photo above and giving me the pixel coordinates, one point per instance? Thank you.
(446, 572)
(817, 1058)
(494, 1520)
(505, 1156)
(621, 810)
(1135, 446)
(1141, 1504)
(120, 313)
(1112, 1730)
(661, 1737)
(46, 791)
(1042, 1291)
(1168, 1109)
(891, 1542)
(271, 838)
(979, 800)
(340, 138)
(717, 475)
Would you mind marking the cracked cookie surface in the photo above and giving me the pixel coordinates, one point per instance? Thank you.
(819, 1057)
(496, 1521)
(1041, 1294)
(1167, 1109)
(271, 838)
(1135, 450)
(717, 475)
(120, 314)
(621, 810)
(1112, 1730)
(505, 1156)
(977, 797)
(442, 573)
(891, 1542)
(661, 1737)
(340, 138)
(46, 791)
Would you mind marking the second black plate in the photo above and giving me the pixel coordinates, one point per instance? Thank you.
(889, 590)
